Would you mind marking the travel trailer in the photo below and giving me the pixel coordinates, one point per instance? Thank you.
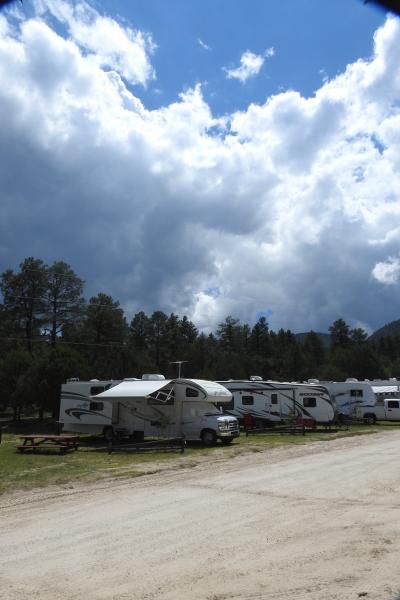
(152, 406)
(385, 388)
(348, 395)
(271, 402)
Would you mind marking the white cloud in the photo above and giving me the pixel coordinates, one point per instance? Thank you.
(110, 44)
(275, 206)
(250, 65)
(388, 271)
(203, 44)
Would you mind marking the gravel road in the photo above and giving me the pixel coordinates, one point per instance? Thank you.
(315, 522)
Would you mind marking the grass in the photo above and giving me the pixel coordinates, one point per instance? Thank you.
(91, 462)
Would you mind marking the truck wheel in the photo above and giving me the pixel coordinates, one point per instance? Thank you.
(208, 437)
(108, 433)
(370, 419)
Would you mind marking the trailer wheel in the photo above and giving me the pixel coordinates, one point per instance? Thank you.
(370, 419)
(108, 434)
(208, 437)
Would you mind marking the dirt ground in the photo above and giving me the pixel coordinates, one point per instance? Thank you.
(315, 522)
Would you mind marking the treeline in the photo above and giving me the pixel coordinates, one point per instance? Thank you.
(50, 332)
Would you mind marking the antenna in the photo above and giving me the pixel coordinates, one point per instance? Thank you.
(179, 363)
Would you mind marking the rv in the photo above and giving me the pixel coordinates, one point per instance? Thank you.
(348, 395)
(153, 406)
(79, 412)
(385, 389)
(271, 402)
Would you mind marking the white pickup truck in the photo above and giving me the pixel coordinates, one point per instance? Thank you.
(384, 410)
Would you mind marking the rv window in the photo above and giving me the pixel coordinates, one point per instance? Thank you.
(96, 389)
(356, 393)
(246, 400)
(191, 393)
(393, 404)
(96, 406)
(274, 398)
(309, 402)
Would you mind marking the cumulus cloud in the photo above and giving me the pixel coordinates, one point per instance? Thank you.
(284, 208)
(388, 271)
(250, 65)
(108, 43)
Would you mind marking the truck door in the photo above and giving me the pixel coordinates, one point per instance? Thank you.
(393, 410)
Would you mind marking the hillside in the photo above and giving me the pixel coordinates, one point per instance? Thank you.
(389, 330)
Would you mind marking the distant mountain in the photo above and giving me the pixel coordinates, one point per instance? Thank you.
(324, 337)
(391, 329)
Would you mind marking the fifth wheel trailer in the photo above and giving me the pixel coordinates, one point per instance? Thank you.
(270, 402)
(156, 407)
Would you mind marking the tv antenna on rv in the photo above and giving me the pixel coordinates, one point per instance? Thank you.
(179, 363)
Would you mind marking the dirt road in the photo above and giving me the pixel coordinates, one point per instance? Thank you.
(315, 522)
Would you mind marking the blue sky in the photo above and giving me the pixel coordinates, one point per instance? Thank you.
(312, 39)
(209, 158)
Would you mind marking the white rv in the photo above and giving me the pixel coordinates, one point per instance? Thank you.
(385, 388)
(154, 407)
(270, 402)
(79, 413)
(348, 395)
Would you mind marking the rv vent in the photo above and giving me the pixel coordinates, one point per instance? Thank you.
(152, 377)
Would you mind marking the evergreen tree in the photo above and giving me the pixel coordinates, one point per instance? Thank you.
(23, 298)
(64, 304)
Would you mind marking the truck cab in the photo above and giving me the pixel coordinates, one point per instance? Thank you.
(387, 409)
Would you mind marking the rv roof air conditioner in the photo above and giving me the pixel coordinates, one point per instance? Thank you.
(351, 380)
(72, 379)
(152, 377)
(313, 381)
(255, 378)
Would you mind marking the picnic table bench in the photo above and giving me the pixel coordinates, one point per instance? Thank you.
(63, 443)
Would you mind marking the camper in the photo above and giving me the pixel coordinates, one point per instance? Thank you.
(385, 388)
(154, 406)
(271, 402)
(348, 395)
(79, 412)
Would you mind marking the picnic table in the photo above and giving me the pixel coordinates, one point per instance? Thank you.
(35, 442)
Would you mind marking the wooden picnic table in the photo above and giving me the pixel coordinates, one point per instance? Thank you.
(35, 442)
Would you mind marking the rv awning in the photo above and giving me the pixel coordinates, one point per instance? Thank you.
(133, 389)
(385, 389)
(212, 391)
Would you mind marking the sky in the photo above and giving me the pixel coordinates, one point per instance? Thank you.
(207, 158)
